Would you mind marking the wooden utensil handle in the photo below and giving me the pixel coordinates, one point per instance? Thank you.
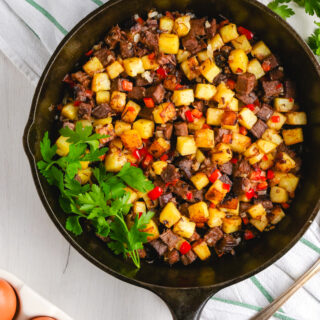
(277, 303)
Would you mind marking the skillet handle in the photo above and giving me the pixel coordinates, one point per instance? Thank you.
(185, 304)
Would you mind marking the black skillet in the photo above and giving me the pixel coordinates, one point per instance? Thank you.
(186, 289)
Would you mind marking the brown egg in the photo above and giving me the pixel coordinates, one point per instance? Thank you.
(8, 301)
(43, 318)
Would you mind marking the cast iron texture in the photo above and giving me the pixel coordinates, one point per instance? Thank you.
(186, 290)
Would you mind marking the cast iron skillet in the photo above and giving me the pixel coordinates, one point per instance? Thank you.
(186, 289)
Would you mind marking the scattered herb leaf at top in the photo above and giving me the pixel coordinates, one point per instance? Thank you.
(311, 6)
(281, 9)
(314, 40)
(47, 151)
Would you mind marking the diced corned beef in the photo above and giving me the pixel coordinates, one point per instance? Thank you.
(185, 165)
(213, 236)
(219, 133)
(198, 104)
(137, 93)
(192, 44)
(188, 258)
(225, 179)
(163, 59)
(159, 246)
(182, 112)
(169, 238)
(116, 84)
(272, 88)
(242, 168)
(241, 185)
(276, 74)
(266, 203)
(84, 110)
(181, 189)
(105, 56)
(211, 31)
(265, 112)
(247, 98)
(142, 82)
(259, 128)
(170, 82)
(244, 206)
(156, 93)
(284, 148)
(289, 89)
(221, 77)
(195, 236)
(245, 83)
(197, 195)
(102, 111)
(146, 113)
(226, 168)
(172, 256)
(81, 77)
(150, 39)
(165, 198)
(170, 173)
(229, 118)
(113, 37)
(181, 129)
(139, 50)
(80, 93)
(183, 208)
(68, 124)
(165, 130)
(152, 23)
(272, 61)
(197, 27)
(227, 243)
(126, 49)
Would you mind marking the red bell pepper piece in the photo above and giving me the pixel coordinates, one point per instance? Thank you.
(148, 102)
(212, 205)
(250, 106)
(189, 116)
(89, 93)
(164, 157)
(155, 193)
(243, 131)
(133, 164)
(216, 174)
(246, 32)
(223, 23)
(226, 186)
(265, 158)
(239, 70)
(226, 138)
(147, 160)
(290, 99)
(245, 220)
(248, 235)
(102, 157)
(185, 247)
(206, 126)
(262, 185)
(197, 113)
(270, 174)
(162, 72)
(231, 84)
(178, 86)
(189, 195)
(266, 66)
(77, 103)
(275, 119)
(140, 20)
(89, 53)
(285, 205)
(151, 56)
(234, 160)
(139, 153)
(67, 79)
(126, 85)
(250, 194)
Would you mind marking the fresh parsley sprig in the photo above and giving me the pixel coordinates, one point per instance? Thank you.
(314, 40)
(281, 9)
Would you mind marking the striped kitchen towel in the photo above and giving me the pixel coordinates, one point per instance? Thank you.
(30, 30)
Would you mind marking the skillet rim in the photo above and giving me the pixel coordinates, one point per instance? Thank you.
(35, 174)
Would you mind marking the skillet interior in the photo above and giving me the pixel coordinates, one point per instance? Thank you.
(299, 64)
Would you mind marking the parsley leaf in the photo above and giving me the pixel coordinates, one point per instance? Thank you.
(73, 225)
(282, 10)
(311, 6)
(314, 40)
(135, 178)
(46, 150)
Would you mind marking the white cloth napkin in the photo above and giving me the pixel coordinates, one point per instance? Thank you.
(30, 30)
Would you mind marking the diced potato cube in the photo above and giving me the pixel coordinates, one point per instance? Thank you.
(277, 215)
(182, 97)
(266, 146)
(214, 116)
(115, 144)
(231, 224)
(198, 212)
(130, 111)
(131, 139)
(186, 145)
(256, 211)
(209, 69)
(84, 164)
(214, 195)
(85, 175)
(100, 82)
(204, 138)
(267, 162)
(133, 66)
(114, 69)
(85, 123)
(183, 55)
(230, 206)
(289, 182)
(149, 64)
(247, 118)
(233, 105)
(118, 101)
(260, 50)
(62, 146)
(169, 215)
(278, 195)
(260, 224)
(205, 91)
(200, 157)
(202, 55)
(197, 124)
(158, 166)
(102, 122)
(223, 95)
(215, 217)
(238, 61)
(164, 112)
(229, 32)
(201, 249)
(222, 153)
(280, 121)
(121, 126)
(133, 195)
(144, 127)
(190, 68)
(139, 207)
(278, 175)
(283, 104)
(200, 180)
(272, 136)
(253, 154)
(242, 43)
(69, 111)
(239, 142)
(182, 26)
(92, 66)
(166, 24)
(255, 67)
(102, 96)
(114, 161)
(168, 43)
(159, 147)
(184, 228)
(296, 118)
(292, 136)
(152, 229)
(286, 163)
(216, 42)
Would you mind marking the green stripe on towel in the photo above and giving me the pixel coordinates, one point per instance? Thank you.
(310, 245)
(98, 2)
(48, 15)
